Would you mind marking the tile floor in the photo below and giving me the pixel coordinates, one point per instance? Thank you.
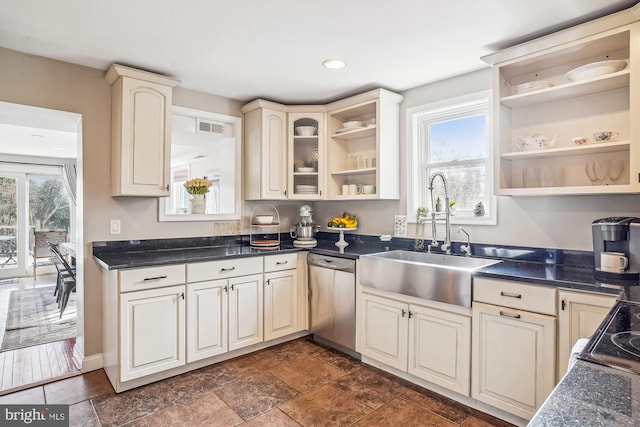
(299, 383)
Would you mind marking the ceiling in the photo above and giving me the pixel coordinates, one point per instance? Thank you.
(273, 49)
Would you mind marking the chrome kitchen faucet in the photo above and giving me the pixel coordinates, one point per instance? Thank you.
(446, 247)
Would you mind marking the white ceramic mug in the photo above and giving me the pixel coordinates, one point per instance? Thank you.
(369, 189)
(614, 262)
(353, 189)
(345, 189)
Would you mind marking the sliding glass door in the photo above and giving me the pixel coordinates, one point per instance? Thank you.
(32, 198)
(12, 220)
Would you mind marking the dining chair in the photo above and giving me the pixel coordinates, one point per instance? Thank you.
(66, 283)
(60, 269)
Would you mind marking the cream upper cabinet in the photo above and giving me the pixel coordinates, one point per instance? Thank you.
(141, 132)
(366, 154)
(579, 315)
(361, 161)
(540, 108)
(265, 151)
(306, 160)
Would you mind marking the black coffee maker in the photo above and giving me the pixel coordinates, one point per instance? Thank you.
(617, 234)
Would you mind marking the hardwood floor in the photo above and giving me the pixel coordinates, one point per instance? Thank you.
(30, 366)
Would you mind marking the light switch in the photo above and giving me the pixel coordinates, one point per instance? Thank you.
(115, 226)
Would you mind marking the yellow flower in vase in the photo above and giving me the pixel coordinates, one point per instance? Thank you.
(197, 186)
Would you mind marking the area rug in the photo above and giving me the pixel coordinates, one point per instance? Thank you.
(34, 318)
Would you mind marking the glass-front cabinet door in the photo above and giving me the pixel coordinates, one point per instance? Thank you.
(306, 155)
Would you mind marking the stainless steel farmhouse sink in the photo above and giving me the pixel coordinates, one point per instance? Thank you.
(435, 277)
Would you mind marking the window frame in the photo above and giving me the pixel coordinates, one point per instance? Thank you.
(417, 179)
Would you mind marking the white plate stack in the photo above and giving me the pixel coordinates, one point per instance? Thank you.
(530, 86)
(306, 189)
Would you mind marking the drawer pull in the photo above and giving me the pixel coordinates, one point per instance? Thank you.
(146, 279)
(222, 270)
(282, 262)
(510, 295)
(514, 316)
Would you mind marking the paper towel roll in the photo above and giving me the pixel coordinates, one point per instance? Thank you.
(576, 350)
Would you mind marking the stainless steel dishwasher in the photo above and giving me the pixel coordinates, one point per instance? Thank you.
(332, 299)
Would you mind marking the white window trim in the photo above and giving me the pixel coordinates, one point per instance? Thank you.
(417, 181)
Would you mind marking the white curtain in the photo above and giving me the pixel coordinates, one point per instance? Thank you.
(70, 177)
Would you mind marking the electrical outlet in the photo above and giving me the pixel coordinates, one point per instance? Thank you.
(115, 226)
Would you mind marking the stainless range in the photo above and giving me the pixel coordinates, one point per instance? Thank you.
(616, 343)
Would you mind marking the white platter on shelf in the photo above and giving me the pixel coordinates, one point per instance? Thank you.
(596, 69)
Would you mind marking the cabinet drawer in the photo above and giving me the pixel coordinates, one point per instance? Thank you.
(152, 277)
(280, 262)
(223, 269)
(518, 295)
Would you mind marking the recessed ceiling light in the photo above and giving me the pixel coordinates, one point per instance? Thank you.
(35, 135)
(58, 149)
(334, 64)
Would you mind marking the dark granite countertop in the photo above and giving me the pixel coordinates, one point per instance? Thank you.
(551, 267)
(592, 395)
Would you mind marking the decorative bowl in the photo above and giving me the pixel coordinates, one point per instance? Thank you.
(352, 124)
(596, 69)
(605, 136)
(305, 130)
(264, 219)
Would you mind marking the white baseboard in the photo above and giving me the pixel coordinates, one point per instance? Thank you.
(87, 364)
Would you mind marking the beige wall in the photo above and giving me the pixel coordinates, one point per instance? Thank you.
(42, 82)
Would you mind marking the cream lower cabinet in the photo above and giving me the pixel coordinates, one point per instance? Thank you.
(280, 304)
(228, 297)
(245, 311)
(207, 325)
(153, 331)
(514, 345)
(430, 343)
(579, 315)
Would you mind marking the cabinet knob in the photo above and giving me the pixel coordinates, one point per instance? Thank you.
(182, 295)
(226, 289)
(232, 287)
(268, 281)
(410, 314)
(281, 262)
(222, 270)
(403, 312)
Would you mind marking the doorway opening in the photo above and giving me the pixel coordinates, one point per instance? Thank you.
(38, 208)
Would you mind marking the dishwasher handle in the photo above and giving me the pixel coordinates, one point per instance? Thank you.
(332, 263)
